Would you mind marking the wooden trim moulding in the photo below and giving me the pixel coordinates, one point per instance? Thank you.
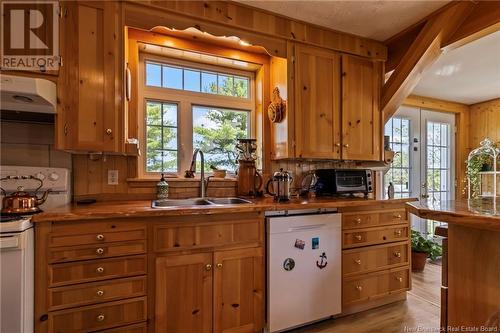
(256, 26)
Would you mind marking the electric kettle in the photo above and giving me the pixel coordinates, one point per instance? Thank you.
(281, 182)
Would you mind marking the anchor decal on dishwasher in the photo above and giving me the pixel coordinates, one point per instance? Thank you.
(322, 264)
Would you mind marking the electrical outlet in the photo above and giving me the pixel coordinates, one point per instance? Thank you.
(112, 177)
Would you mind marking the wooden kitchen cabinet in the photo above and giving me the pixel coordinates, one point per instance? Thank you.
(361, 116)
(239, 290)
(190, 287)
(184, 293)
(317, 93)
(335, 108)
(90, 84)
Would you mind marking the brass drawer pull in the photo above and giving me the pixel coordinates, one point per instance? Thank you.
(359, 288)
(358, 237)
(397, 216)
(357, 261)
(397, 254)
(399, 278)
(100, 293)
(219, 265)
(208, 267)
(99, 251)
(100, 237)
(358, 220)
(100, 270)
(100, 318)
(109, 131)
(398, 232)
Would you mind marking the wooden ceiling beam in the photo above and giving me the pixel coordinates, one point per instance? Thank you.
(422, 53)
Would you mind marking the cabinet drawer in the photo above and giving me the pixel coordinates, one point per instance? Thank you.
(97, 292)
(206, 235)
(106, 250)
(374, 258)
(371, 286)
(372, 236)
(136, 328)
(97, 317)
(95, 270)
(373, 218)
(96, 236)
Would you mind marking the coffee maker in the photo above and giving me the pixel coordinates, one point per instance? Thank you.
(249, 179)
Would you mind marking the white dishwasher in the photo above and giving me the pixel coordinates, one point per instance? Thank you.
(303, 268)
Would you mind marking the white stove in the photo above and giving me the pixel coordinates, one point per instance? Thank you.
(17, 244)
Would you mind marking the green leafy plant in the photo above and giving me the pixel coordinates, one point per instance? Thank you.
(421, 244)
(475, 165)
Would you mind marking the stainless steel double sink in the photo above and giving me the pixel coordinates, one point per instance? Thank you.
(168, 203)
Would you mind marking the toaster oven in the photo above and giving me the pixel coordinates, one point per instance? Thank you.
(331, 182)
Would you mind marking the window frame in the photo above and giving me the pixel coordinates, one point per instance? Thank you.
(185, 101)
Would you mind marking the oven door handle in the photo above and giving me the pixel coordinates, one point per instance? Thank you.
(9, 242)
(306, 227)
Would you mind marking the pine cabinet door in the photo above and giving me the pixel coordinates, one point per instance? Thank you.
(317, 111)
(184, 293)
(239, 291)
(361, 117)
(90, 80)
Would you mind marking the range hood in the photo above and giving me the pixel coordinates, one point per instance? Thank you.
(25, 94)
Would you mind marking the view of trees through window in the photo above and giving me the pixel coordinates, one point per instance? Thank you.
(216, 130)
(398, 129)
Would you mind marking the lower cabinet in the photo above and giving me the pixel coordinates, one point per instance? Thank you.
(219, 291)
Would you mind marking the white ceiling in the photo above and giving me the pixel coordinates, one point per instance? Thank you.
(376, 19)
(469, 74)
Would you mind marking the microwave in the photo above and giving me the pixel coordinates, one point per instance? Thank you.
(333, 182)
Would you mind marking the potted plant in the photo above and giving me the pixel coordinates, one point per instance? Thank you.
(475, 165)
(421, 249)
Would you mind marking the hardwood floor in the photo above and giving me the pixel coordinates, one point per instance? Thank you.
(420, 311)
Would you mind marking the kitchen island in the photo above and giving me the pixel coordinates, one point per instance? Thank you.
(473, 270)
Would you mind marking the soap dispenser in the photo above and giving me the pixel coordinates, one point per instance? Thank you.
(162, 188)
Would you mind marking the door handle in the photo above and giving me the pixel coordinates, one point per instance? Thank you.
(306, 227)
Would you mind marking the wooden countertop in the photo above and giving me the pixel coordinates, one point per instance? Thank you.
(483, 213)
(120, 209)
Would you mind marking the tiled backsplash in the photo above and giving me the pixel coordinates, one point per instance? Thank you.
(31, 144)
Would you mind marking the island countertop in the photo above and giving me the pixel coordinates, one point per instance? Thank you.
(118, 209)
(480, 213)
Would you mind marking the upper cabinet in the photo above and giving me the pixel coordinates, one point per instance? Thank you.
(333, 107)
(361, 117)
(90, 86)
(317, 103)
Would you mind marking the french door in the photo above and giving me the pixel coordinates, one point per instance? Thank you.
(423, 166)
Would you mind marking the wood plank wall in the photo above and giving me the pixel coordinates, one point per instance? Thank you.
(484, 122)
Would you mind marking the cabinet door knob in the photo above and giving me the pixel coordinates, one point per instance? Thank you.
(100, 237)
(358, 220)
(399, 278)
(100, 318)
(397, 254)
(337, 145)
(100, 293)
(219, 265)
(109, 131)
(398, 232)
(358, 237)
(99, 251)
(208, 267)
(346, 145)
(398, 216)
(100, 270)
(359, 288)
(357, 261)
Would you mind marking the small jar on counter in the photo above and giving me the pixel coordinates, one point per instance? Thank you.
(162, 188)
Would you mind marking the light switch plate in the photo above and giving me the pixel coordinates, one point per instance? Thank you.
(112, 177)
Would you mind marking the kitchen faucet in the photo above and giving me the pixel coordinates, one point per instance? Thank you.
(192, 169)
